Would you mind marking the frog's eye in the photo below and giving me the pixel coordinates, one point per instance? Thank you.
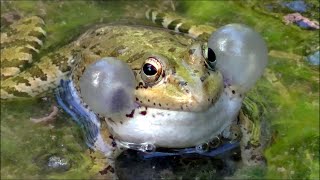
(151, 71)
(210, 57)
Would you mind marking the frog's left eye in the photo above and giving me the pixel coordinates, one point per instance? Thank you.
(151, 71)
(210, 57)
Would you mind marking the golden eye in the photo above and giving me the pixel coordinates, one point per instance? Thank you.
(151, 71)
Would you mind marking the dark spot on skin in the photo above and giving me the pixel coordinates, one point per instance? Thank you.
(110, 120)
(140, 101)
(159, 104)
(38, 73)
(154, 104)
(98, 52)
(208, 99)
(184, 28)
(202, 78)
(233, 92)
(187, 91)
(153, 115)
(181, 108)
(61, 61)
(159, 18)
(172, 49)
(163, 74)
(253, 157)
(15, 92)
(148, 100)
(174, 23)
(121, 122)
(173, 71)
(191, 51)
(114, 144)
(19, 79)
(143, 112)
(208, 73)
(183, 83)
(106, 170)
(204, 36)
(131, 114)
(111, 137)
(137, 99)
(140, 84)
(94, 46)
(240, 95)
(116, 51)
(248, 146)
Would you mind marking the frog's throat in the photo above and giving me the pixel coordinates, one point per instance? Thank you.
(176, 129)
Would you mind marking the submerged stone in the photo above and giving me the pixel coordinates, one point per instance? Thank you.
(58, 164)
(297, 6)
(314, 59)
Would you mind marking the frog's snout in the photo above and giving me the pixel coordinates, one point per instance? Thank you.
(241, 54)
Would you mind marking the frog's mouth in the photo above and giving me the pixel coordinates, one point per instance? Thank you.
(175, 129)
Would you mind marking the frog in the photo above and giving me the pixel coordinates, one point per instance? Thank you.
(135, 87)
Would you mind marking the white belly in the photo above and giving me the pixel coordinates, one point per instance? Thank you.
(177, 129)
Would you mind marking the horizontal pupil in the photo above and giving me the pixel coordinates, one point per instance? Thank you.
(149, 69)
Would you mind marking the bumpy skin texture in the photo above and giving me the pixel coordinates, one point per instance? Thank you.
(186, 84)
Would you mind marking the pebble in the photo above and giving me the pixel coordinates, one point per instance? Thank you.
(301, 21)
(296, 6)
(57, 163)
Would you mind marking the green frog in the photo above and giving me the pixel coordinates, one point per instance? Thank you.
(141, 87)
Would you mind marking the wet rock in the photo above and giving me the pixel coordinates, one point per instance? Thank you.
(301, 21)
(314, 59)
(296, 6)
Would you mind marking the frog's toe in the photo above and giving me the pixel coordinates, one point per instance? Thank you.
(107, 86)
(241, 54)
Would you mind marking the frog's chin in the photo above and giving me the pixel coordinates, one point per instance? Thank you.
(176, 129)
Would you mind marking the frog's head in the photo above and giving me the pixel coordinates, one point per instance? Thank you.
(185, 80)
(175, 74)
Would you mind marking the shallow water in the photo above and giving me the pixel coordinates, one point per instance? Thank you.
(289, 89)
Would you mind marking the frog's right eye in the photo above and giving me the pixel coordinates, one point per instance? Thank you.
(210, 57)
(151, 71)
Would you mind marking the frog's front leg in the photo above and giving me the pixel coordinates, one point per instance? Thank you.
(105, 152)
(251, 147)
